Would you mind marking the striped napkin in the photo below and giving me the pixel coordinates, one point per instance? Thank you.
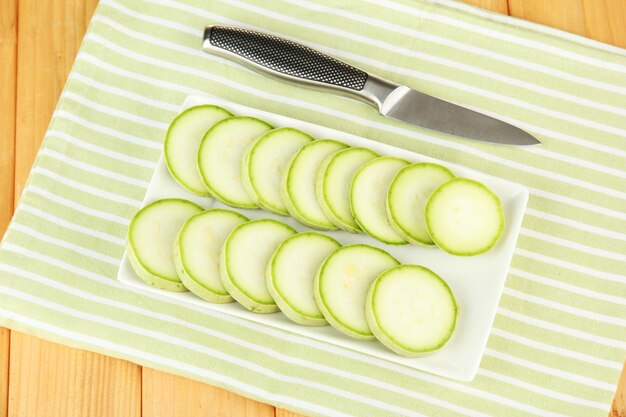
(559, 339)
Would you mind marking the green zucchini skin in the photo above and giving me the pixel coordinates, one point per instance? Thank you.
(349, 270)
(158, 223)
(332, 185)
(298, 183)
(220, 154)
(294, 264)
(403, 287)
(407, 196)
(197, 250)
(182, 141)
(464, 217)
(257, 240)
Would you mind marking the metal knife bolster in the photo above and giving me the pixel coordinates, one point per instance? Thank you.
(289, 61)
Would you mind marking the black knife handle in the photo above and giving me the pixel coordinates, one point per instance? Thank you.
(281, 57)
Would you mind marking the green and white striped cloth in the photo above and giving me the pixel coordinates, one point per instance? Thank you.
(559, 339)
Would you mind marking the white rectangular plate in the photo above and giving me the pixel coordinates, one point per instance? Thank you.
(477, 281)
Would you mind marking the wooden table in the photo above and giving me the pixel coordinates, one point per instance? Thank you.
(38, 42)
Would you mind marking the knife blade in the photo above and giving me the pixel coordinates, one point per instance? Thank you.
(290, 61)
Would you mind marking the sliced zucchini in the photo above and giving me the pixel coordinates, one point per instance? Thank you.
(411, 310)
(464, 217)
(220, 154)
(151, 236)
(264, 162)
(298, 183)
(341, 285)
(368, 196)
(183, 137)
(407, 197)
(291, 273)
(332, 185)
(244, 258)
(197, 252)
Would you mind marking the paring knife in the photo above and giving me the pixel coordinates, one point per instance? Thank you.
(286, 60)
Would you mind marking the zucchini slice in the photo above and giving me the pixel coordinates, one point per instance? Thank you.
(407, 197)
(464, 217)
(332, 185)
(264, 162)
(151, 236)
(411, 310)
(183, 137)
(341, 285)
(220, 154)
(291, 273)
(197, 252)
(298, 183)
(368, 198)
(244, 258)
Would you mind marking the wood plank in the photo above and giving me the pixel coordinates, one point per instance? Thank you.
(52, 380)
(49, 35)
(605, 21)
(498, 6)
(8, 78)
(166, 395)
(562, 14)
(619, 403)
(5, 335)
(47, 379)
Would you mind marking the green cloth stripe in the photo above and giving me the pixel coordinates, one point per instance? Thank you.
(555, 349)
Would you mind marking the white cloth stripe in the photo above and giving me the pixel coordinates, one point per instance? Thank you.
(32, 233)
(568, 287)
(440, 80)
(113, 112)
(336, 350)
(205, 350)
(533, 388)
(92, 168)
(30, 188)
(289, 359)
(107, 130)
(537, 88)
(605, 233)
(465, 47)
(74, 75)
(140, 357)
(250, 90)
(556, 349)
(188, 90)
(571, 266)
(515, 21)
(503, 36)
(534, 170)
(71, 226)
(395, 28)
(573, 245)
(586, 314)
(100, 150)
(620, 344)
(87, 188)
(552, 371)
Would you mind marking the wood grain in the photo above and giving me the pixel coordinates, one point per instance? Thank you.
(166, 395)
(46, 379)
(562, 14)
(49, 35)
(498, 6)
(8, 79)
(605, 21)
(5, 335)
(52, 380)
